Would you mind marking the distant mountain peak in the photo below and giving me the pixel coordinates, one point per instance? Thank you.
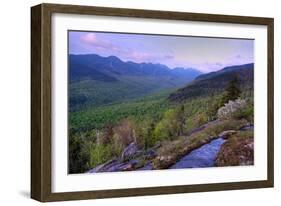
(114, 58)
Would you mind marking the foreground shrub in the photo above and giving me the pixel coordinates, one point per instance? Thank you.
(172, 125)
(195, 121)
(99, 153)
(246, 113)
(238, 150)
(79, 156)
(125, 132)
(144, 133)
(212, 106)
(230, 109)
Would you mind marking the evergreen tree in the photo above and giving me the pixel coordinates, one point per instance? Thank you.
(148, 140)
(181, 119)
(232, 91)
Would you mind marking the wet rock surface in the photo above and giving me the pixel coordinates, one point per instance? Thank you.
(204, 156)
(147, 166)
(247, 127)
(130, 151)
(226, 134)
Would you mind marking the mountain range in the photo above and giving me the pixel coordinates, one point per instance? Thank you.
(93, 66)
(96, 80)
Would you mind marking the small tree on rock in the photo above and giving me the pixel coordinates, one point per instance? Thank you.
(232, 91)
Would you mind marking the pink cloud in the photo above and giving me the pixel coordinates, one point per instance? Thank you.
(92, 40)
(139, 56)
(89, 38)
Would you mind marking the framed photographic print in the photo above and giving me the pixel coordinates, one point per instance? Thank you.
(132, 102)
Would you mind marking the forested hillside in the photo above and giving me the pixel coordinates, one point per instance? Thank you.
(215, 82)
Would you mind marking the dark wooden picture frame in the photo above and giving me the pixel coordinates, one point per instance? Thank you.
(41, 117)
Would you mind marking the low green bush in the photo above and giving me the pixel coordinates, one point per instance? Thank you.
(99, 153)
(246, 113)
(78, 154)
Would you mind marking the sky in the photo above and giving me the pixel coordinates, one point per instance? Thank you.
(202, 53)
